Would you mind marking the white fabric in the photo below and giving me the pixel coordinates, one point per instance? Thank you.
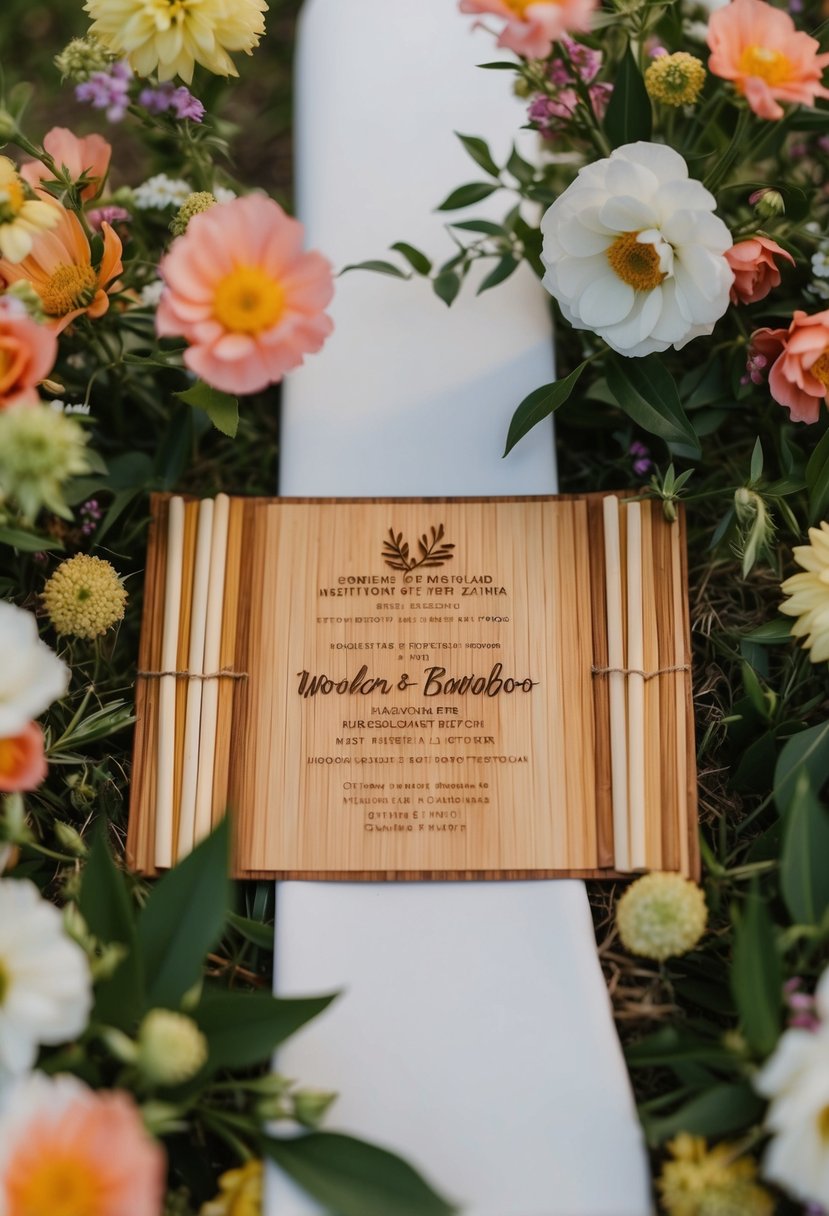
(474, 1034)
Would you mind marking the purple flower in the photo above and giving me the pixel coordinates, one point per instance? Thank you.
(642, 462)
(108, 90)
(166, 98)
(108, 215)
(755, 366)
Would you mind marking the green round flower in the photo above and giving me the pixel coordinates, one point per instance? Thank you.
(661, 915)
(81, 57)
(171, 1048)
(40, 449)
(84, 597)
(675, 80)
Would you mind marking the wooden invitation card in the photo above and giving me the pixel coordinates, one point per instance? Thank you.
(416, 688)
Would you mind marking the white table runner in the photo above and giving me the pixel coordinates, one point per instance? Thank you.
(475, 1033)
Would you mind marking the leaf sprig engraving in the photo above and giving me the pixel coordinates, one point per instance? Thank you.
(434, 552)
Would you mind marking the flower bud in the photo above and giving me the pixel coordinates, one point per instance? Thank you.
(81, 57)
(119, 1045)
(311, 1106)
(163, 1118)
(70, 839)
(171, 1048)
(767, 203)
(8, 127)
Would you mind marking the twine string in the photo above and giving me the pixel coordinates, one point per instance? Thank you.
(637, 671)
(226, 673)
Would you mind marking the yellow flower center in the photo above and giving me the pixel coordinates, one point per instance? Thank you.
(69, 287)
(12, 198)
(519, 6)
(820, 368)
(59, 1186)
(635, 263)
(10, 755)
(823, 1124)
(771, 66)
(248, 300)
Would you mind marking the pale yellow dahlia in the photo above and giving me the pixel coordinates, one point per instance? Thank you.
(169, 37)
(171, 1048)
(84, 597)
(21, 218)
(699, 1181)
(240, 1193)
(661, 916)
(809, 594)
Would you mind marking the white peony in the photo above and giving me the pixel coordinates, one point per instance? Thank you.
(634, 253)
(31, 675)
(45, 982)
(796, 1079)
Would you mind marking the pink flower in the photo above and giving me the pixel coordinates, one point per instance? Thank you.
(755, 270)
(242, 293)
(65, 1150)
(758, 47)
(22, 761)
(532, 26)
(27, 354)
(89, 156)
(799, 358)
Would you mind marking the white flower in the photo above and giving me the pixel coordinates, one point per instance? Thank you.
(819, 288)
(796, 1079)
(634, 253)
(161, 191)
(31, 675)
(809, 594)
(151, 292)
(45, 983)
(820, 264)
(223, 194)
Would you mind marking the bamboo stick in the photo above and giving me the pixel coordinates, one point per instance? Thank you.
(165, 745)
(635, 688)
(616, 683)
(655, 754)
(212, 661)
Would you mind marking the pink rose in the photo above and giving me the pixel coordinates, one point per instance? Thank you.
(799, 375)
(755, 270)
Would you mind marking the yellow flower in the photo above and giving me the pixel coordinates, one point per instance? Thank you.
(21, 217)
(675, 80)
(171, 1048)
(710, 1182)
(809, 594)
(661, 915)
(240, 1193)
(194, 204)
(170, 37)
(84, 597)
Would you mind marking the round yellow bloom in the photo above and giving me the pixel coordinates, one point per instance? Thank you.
(661, 915)
(240, 1193)
(21, 218)
(171, 1048)
(170, 37)
(710, 1182)
(194, 204)
(675, 80)
(809, 594)
(84, 597)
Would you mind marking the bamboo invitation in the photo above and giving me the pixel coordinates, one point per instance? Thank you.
(416, 688)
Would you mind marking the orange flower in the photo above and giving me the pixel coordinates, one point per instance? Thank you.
(532, 26)
(27, 354)
(67, 1151)
(755, 271)
(22, 761)
(89, 156)
(60, 269)
(758, 47)
(799, 363)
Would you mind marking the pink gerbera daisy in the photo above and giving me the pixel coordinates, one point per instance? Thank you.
(245, 297)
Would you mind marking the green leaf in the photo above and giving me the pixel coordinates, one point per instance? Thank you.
(521, 169)
(465, 196)
(629, 116)
(183, 918)
(810, 748)
(487, 227)
(352, 1178)
(28, 542)
(771, 633)
(670, 1047)
(539, 404)
(446, 286)
(243, 1028)
(378, 267)
(817, 480)
(417, 260)
(757, 974)
(261, 935)
(478, 149)
(645, 390)
(221, 408)
(501, 65)
(757, 460)
(504, 268)
(107, 908)
(723, 1108)
(804, 874)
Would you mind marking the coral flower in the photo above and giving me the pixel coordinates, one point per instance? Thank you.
(60, 270)
(799, 375)
(88, 157)
(532, 26)
(755, 271)
(27, 354)
(758, 47)
(22, 761)
(67, 1151)
(244, 296)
